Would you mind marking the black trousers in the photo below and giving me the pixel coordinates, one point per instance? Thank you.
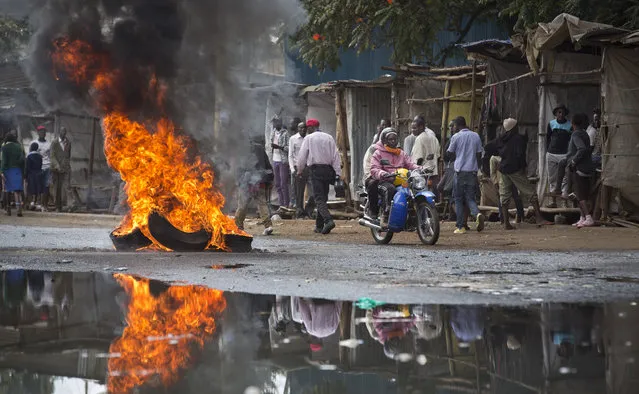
(388, 191)
(322, 176)
(372, 188)
(300, 183)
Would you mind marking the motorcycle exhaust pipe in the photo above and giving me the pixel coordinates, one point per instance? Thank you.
(366, 223)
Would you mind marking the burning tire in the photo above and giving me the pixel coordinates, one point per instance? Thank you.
(174, 239)
(130, 242)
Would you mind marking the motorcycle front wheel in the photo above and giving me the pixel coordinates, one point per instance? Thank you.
(382, 237)
(427, 223)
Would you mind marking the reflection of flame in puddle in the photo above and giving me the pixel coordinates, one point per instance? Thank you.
(186, 313)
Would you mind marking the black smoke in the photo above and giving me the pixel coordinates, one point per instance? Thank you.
(198, 48)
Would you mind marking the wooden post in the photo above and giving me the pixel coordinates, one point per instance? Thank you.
(91, 160)
(473, 96)
(341, 133)
(445, 116)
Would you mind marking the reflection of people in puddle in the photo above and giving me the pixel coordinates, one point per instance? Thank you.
(320, 317)
(573, 330)
(467, 323)
(428, 321)
(389, 325)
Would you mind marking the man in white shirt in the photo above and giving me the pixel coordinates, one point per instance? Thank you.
(426, 150)
(416, 128)
(44, 148)
(319, 153)
(279, 151)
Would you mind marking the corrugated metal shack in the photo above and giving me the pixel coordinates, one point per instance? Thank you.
(584, 65)
(357, 107)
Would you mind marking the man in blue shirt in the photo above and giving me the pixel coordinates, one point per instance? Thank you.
(467, 147)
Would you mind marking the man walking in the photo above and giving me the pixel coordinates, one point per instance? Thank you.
(255, 185)
(557, 140)
(467, 147)
(319, 153)
(417, 127)
(511, 147)
(279, 151)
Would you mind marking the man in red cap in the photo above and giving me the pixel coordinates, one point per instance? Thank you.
(319, 153)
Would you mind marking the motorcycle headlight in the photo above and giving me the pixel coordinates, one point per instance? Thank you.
(419, 183)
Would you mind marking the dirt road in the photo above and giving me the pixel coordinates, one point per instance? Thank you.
(526, 237)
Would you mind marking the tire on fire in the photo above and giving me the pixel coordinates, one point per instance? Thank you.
(131, 241)
(169, 236)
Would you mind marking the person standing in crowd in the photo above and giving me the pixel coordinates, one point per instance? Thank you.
(384, 123)
(319, 153)
(300, 180)
(467, 147)
(12, 170)
(34, 175)
(581, 166)
(417, 127)
(387, 159)
(511, 147)
(44, 148)
(255, 185)
(426, 150)
(557, 139)
(61, 166)
(281, 169)
(596, 141)
(292, 130)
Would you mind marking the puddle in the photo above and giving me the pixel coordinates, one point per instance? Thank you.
(113, 332)
(229, 266)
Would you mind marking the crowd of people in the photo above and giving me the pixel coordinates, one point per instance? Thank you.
(304, 161)
(45, 168)
(309, 157)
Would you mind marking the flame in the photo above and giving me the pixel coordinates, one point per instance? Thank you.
(161, 333)
(161, 173)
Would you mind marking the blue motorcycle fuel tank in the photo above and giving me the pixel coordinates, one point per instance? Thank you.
(399, 210)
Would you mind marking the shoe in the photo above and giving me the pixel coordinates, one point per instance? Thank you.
(268, 231)
(328, 227)
(317, 230)
(480, 222)
(589, 222)
(460, 231)
(581, 220)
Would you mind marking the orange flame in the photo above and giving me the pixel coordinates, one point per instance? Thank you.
(161, 333)
(152, 159)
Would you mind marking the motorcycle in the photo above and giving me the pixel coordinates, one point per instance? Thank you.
(413, 209)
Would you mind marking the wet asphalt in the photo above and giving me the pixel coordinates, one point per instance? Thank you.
(393, 273)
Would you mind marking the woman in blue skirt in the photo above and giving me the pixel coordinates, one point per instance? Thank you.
(12, 167)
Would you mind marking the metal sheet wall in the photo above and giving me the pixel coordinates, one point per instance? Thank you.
(364, 109)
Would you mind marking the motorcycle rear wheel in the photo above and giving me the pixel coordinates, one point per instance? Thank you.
(381, 237)
(427, 223)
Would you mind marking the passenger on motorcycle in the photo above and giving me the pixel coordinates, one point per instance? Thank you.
(387, 159)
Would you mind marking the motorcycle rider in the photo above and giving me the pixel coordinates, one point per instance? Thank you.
(387, 159)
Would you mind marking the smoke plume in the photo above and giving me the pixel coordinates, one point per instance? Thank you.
(200, 49)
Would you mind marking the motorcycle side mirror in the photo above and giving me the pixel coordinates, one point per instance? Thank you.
(385, 162)
(430, 157)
